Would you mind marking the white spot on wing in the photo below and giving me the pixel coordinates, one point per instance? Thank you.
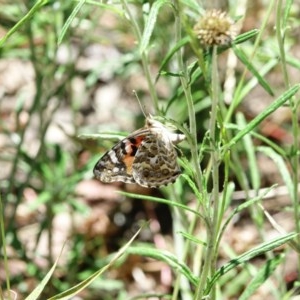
(113, 157)
(116, 170)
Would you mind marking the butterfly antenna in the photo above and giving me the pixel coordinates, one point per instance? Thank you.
(143, 107)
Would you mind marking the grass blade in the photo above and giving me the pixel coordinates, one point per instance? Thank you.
(257, 120)
(263, 274)
(168, 258)
(25, 19)
(242, 57)
(79, 287)
(38, 290)
(250, 150)
(245, 257)
(69, 21)
(160, 200)
(151, 23)
(282, 168)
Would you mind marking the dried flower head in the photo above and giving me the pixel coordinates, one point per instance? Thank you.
(215, 28)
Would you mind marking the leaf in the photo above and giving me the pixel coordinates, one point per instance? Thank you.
(68, 294)
(103, 135)
(192, 238)
(287, 13)
(243, 206)
(168, 258)
(258, 119)
(250, 150)
(69, 20)
(263, 274)
(259, 250)
(282, 168)
(247, 62)
(170, 54)
(193, 187)
(41, 286)
(151, 23)
(252, 83)
(25, 19)
(245, 36)
(260, 137)
(160, 200)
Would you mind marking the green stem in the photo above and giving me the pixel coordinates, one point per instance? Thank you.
(215, 156)
(3, 247)
(144, 58)
(192, 138)
(238, 91)
(295, 127)
(190, 104)
(212, 228)
(280, 40)
(22, 131)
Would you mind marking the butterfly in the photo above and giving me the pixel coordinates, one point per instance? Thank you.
(146, 157)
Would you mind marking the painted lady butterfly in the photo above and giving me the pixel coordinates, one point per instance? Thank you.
(147, 157)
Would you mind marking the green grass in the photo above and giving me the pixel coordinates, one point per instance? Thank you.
(155, 41)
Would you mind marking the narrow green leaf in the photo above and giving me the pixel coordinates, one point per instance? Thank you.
(160, 200)
(247, 62)
(38, 290)
(250, 150)
(262, 138)
(245, 36)
(243, 206)
(192, 238)
(282, 167)
(258, 119)
(287, 13)
(151, 23)
(170, 54)
(25, 19)
(252, 83)
(166, 257)
(68, 294)
(69, 21)
(259, 250)
(294, 62)
(263, 274)
(193, 187)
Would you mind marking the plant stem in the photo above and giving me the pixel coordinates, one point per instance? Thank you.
(189, 100)
(280, 40)
(144, 58)
(193, 134)
(238, 91)
(294, 104)
(212, 228)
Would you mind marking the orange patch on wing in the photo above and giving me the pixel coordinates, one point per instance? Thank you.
(128, 161)
(129, 158)
(139, 140)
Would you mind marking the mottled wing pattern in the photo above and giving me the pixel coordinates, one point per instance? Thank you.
(155, 163)
(146, 157)
(116, 164)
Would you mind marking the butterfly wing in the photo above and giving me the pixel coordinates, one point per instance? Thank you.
(116, 164)
(155, 163)
(146, 157)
